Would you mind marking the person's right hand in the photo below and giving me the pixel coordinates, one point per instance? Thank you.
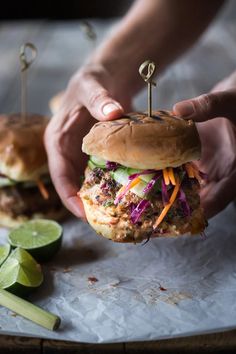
(216, 114)
(93, 91)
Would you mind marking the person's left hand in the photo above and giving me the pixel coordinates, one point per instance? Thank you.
(216, 113)
(94, 91)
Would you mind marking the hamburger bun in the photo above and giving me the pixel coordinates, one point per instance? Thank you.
(55, 102)
(22, 153)
(143, 142)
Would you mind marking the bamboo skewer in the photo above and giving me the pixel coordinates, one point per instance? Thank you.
(25, 64)
(147, 70)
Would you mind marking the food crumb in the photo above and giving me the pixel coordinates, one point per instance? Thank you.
(92, 280)
(162, 288)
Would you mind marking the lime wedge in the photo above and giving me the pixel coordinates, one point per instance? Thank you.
(4, 252)
(20, 273)
(41, 238)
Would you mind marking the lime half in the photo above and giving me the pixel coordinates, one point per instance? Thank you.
(4, 252)
(41, 238)
(20, 273)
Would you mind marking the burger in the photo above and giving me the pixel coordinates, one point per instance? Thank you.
(26, 190)
(56, 102)
(140, 181)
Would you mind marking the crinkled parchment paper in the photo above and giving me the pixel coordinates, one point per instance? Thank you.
(108, 292)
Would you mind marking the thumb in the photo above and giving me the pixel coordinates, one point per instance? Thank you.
(208, 106)
(99, 102)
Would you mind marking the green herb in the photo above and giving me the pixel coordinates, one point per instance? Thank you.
(108, 203)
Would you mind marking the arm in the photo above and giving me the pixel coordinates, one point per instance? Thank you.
(159, 30)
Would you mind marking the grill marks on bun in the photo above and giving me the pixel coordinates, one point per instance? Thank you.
(143, 142)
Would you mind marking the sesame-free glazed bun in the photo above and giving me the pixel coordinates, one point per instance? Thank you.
(143, 142)
(56, 102)
(22, 153)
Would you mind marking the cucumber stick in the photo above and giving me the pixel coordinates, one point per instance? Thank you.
(145, 178)
(97, 161)
(121, 175)
(91, 165)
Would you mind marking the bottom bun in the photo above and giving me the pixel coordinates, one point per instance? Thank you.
(8, 221)
(119, 230)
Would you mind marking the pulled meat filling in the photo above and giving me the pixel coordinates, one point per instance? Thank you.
(100, 188)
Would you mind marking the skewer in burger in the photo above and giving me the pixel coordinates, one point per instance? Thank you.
(140, 181)
(26, 190)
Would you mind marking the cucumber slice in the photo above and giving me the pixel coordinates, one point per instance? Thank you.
(4, 182)
(121, 175)
(98, 161)
(145, 178)
(138, 189)
(91, 165)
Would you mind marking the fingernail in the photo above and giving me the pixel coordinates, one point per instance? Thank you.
(184, 109)
(110, 107)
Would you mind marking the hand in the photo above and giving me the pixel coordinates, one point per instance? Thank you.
(216, 114)
(93, 91)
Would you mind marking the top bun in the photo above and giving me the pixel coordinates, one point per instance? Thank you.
(143, 142)
(22, 153)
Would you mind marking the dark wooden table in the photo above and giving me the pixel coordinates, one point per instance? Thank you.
(211, 343)
(62, 48)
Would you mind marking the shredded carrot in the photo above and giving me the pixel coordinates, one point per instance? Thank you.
(166, 176)
(171, 176)
(134, 182)
(121, 190)
(189, 169)
(43, 190)
(126, 188)
(198, 177)
(167, 207)
(196, 173)
(194, 166)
